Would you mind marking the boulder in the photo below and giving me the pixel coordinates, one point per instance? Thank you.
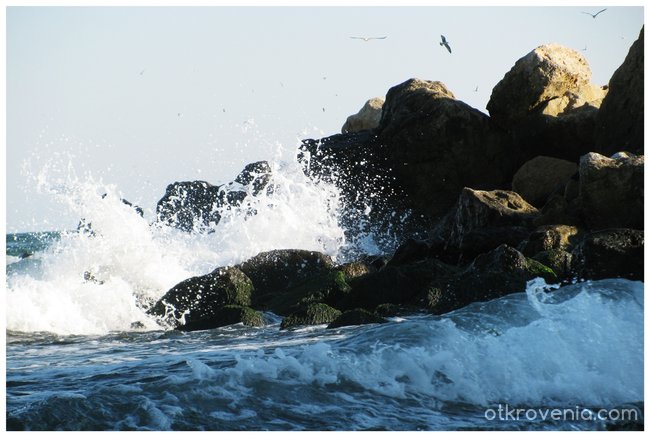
(620, 120)
(549, 80)
(277, 270)
(195, 302)
(492, 275)
(540, 177)
(225, 316)
(357, 316)
(480, 210)
(313, 314)
(190, 205)
(547, 104)
(367, 118)
(610, 253)
(611, 191)
(437, 145)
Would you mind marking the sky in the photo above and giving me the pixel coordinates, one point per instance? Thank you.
(140, 97)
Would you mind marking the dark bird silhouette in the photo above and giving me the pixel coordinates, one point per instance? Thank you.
(596, 14)
(445, 43)
(368, 38)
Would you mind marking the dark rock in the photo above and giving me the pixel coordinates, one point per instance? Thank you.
(233, 314)
(438, 145)
(611, 191)
(396, 284)
(190, 205)
(356, 316)
(558, 210)
(409, 251)
(478, 209)
(257, 175)
(356, 269)
(620, 120)
(540, 177)
(277, 270)
(327, 288)
(610, 253)
(195, 303)
(313, 314)
(492, 275)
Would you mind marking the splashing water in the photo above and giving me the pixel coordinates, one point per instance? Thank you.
(101, 281)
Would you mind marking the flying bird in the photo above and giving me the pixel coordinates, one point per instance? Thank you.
(445, 43)
(368, 38)
(596, 14)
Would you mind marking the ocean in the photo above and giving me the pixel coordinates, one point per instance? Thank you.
(83, 354)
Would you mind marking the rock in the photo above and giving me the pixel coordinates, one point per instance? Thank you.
(492, 275)
(558, 210)
(551, 237)
(195, 302)
(190, 205)
(611, 191)
(538, 178)
(547, 104)
(480, 210)
(399, 285)
(327, 288)
(356, 316)
(549, 80)
(620, 120)
(233, 314)
(437, 145)
(559, 260)
(610, 253)
(277, 270)
(314, 314)
(367, 118)
(257, 175)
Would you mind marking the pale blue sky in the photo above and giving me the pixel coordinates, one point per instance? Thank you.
(107, 85)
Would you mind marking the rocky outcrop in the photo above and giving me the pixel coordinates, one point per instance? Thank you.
(611, 191)
(367, 118)
(256, 175)
(540, 177)
(196, 302)
(620, 119)
(610, 253)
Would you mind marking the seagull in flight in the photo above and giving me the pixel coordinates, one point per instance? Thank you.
(445, 43)
(596, 14)
(368, 38)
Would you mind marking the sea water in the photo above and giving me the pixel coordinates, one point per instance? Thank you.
(77, 360)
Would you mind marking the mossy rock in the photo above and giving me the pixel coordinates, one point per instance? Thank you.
(313, 314)
(536, 268)
(327, 288)
(557, 259)
(199, 298)
(357, 316)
